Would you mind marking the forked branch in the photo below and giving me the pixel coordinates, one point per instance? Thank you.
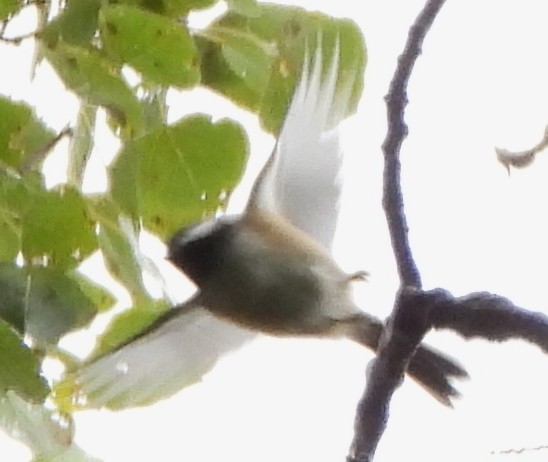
(395, 350)
(416, 311)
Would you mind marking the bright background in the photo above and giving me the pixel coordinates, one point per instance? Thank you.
(481, 82)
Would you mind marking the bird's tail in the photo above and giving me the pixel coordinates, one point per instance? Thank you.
(429, 367)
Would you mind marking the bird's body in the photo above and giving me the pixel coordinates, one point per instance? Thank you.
(274, 277)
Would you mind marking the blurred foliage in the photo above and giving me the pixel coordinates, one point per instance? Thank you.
(256, 60)
(128, 323)
(22, 135)
(165, 175)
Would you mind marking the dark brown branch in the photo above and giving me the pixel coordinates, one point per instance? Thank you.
(396, 100)
(409, 322)
(396, 349)
(480, 315)
(491, 317)
(410, 319)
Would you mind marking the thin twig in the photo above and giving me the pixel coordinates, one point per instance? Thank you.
(3, 28)
(44, 150)
(396, 100)
(520, 450)
(17, 40)
(521, 159)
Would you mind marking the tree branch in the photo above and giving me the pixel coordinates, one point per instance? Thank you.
(492, 317)
(405, 329)
(410, 319)
(479, 314)
(396, 100)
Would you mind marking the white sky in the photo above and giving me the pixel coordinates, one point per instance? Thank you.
(480, 83)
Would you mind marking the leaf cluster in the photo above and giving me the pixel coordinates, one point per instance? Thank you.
(124, 58)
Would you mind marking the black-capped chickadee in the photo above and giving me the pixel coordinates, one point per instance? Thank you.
(268, 269)
(259, 271)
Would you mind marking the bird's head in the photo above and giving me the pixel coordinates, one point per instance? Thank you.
(198, 249)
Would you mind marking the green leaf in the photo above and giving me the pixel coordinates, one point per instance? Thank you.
(160, 48)
(100, 298)
(10, 241)
(97, 81)
(121, 262)
(12, 202)
(77, 23)
(217, 74)
(14, 193)
(13, 287)
(43, 11)
(116, 249)
(154, 107)
(35, 140)
(8, 7)
(247, 60)
(192, 4)
(21, 133)
(47, 303)
(123, 173)
(171, 8)
(81, 145)
(57, 229)
(45, 432)
(128, 324)
(182, 172)
(287, 69)
(283, 32)
(19, 367)
(56, 304)
(15, 196)
(248, 57)
(244, 7)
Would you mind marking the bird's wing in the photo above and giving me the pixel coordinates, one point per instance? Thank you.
(302, 179)
(176, 351)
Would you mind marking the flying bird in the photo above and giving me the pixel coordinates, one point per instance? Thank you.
(267, 270)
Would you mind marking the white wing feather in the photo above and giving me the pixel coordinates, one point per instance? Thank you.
(302, 180)
(175, 354)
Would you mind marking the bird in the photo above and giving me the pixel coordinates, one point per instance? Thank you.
(268, 269)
